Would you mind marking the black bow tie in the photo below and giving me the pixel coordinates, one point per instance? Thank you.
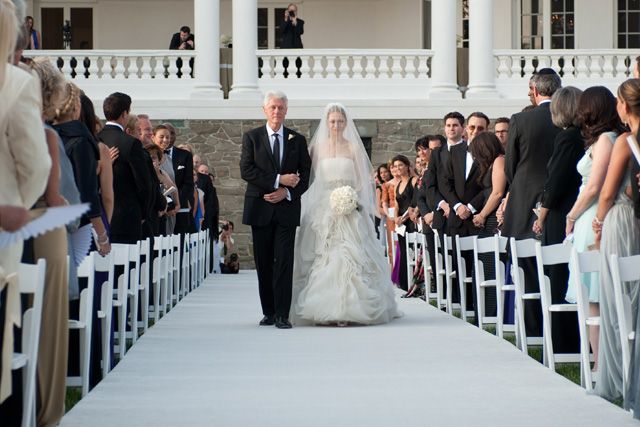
(168, 151)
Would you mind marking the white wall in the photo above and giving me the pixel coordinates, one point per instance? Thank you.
(594, 26)
(503, 24)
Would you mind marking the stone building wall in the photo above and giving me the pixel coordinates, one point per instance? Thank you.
(219, 143)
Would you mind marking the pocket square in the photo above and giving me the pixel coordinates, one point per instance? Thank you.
(180, 167)
(291, 136)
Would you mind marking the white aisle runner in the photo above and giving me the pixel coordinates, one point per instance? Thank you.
(208, 363)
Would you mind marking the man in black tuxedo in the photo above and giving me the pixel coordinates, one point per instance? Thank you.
(182, 162)
(275, 163)
(426, 205)
(461, 189)
(132, 186)
(182, 40)
(211, 207)
(529, 148)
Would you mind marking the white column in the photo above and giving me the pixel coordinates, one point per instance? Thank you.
(245, 45)
(443, 43)
(207, 63)
(482, 79)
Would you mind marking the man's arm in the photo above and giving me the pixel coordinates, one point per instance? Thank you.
(142, 180)
(304, 170)
(250, 172)
(175, 42)
(512, 156)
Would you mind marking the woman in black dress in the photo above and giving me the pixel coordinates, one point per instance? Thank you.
(404, 197)
(488, 153)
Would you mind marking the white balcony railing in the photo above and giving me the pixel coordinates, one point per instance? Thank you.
(120, 64)
(578, 67)
(357, 73)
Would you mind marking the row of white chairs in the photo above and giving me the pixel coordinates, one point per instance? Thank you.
(623, 270)
(170, 280)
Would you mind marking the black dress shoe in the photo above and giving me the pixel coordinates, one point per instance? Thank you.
(282, 323)
(267, 321)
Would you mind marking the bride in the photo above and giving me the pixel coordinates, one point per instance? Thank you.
(340, 274)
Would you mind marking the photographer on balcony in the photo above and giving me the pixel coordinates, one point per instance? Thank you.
(183, 40)
(292, 29)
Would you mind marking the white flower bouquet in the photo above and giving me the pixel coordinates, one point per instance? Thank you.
(343, 200)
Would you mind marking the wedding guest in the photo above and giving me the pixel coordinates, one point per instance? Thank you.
(182, 164)
(24, 161)
(132, 184)
(404, 196)
(162, 137)
(382, 176)
(24, 169)
(501, 129)
(158, 221)
(559, 195)
(389, 206)
(34, 35)
(53, 246)
(618, 232)
(106, 157)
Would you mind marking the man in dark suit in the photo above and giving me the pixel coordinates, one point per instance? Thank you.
(182, 162)
(463, 192)
(426, 205)
(211, 207)
(634, 171)
(131, 182)
(276, 165)
(529, 148)
(182, 40)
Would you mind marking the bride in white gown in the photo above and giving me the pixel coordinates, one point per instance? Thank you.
(340, 274)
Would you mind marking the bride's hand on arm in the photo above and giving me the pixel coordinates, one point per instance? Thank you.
(289, 180)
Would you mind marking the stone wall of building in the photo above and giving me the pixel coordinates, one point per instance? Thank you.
(219, 143)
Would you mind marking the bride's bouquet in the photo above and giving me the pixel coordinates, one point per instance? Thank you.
(343, 200)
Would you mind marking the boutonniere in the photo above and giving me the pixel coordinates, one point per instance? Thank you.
(291, 136)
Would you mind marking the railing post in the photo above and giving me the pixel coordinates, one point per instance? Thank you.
(443, 65)
(245, 46)
(482, 70)
(207, 60)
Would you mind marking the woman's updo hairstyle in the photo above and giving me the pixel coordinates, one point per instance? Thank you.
(336, 108)
(629, 91)
(70, 102)
(52, 84)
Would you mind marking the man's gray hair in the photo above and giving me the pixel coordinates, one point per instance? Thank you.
(564, 106)
(546, 84)
(275, 94)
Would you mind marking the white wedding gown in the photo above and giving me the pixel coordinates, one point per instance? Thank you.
(340, 273)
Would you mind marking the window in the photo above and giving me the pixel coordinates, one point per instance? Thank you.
(562, 20)
(465, 23)
(628, 24)
(531, 35)
(263, 28)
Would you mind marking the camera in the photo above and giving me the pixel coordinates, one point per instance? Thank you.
(292, 14)
(225, 226)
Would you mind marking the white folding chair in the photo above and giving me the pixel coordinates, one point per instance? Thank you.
(584, 263)
(497, 246)
(105, 265)
(84, 323)
(158, 280)
(31, 281)
(522, 249)
(412, 251)
(121, 295)
(175, 267)
(545, 256)
(193, 260)
(450, 274)
(134, 290)
(440, 273)
(464, 277)
(625, 270)
(145, 281)
(426, 263)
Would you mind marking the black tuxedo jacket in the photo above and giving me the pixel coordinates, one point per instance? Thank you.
(432, 182)
(291, 34)
(530, 145)
(258, 169)
(182, 161)
(456, 188)
(176, 42)
(132, 185)
(211, 207)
